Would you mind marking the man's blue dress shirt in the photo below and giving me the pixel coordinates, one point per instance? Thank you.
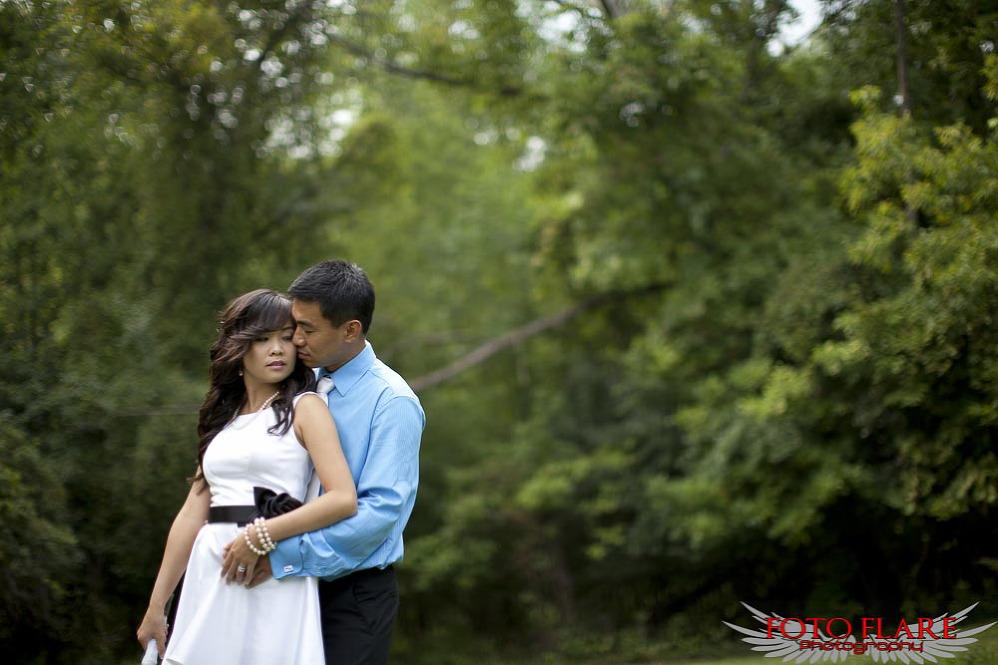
(380, 421)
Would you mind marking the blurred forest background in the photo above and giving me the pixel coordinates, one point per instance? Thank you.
(723, 308)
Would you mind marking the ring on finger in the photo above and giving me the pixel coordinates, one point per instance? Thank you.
(241, 569)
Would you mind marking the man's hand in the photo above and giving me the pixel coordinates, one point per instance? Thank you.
(261, 573)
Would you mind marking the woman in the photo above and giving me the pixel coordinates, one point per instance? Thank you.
(261, 433)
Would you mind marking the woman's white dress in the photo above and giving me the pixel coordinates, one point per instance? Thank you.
(277, 622)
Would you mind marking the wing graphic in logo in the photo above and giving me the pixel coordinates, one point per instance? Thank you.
(931, 649)
(786, 648)
(814, 646)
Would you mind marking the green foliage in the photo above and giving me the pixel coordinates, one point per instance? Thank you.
(39, 556)
(790, 397)
(924, 334)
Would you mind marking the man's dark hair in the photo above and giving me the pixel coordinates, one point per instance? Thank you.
(342, 290)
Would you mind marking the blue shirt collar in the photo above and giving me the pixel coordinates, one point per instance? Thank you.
(345, 377)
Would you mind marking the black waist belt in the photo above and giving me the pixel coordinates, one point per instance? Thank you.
(268, 504)
(241, 515)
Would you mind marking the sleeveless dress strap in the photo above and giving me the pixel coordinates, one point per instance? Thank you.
(314, 486)
(297, 397)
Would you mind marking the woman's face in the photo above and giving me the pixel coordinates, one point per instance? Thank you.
(271, 357)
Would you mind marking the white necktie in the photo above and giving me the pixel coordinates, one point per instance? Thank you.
(324, 386)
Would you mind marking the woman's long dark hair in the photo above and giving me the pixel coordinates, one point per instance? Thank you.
(242, 321)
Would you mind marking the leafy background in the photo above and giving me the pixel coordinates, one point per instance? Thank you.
(723, 307)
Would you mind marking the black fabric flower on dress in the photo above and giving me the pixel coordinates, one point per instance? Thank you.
(270, 504)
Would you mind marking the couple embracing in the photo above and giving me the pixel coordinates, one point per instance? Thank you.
(274, 575)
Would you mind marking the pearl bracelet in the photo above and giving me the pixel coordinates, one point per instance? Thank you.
(263, 533)
(249, 543)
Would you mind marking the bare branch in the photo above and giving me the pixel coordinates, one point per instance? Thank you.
(611, 9)
(409, 72)
(902, 56)
(293, 21)
(392, 67)
(488, 349)
(152, 411)
(570, 6)
(900, 24)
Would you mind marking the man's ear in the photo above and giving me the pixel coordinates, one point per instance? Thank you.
(353, 329)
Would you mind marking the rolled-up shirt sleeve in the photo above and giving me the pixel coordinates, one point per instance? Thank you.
(386, 492)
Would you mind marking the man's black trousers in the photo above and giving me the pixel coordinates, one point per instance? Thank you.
(358, 616)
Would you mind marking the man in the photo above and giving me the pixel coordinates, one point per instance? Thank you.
(380, 422)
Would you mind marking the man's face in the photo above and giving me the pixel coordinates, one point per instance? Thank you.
(319, 342)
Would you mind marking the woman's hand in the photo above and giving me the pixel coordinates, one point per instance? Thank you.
(238, 562)
(153, 627)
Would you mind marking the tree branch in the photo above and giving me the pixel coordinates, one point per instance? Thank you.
(611, 8)
(293, 21)
(902, 58)
(408, 72)
(488, 349)
(582, 11)
(900, 23)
